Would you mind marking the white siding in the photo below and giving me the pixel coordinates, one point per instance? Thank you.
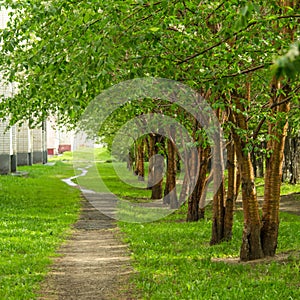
(23, 139)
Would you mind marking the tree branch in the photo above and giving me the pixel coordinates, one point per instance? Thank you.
(216, 45)
(249, 70)
(230, 37)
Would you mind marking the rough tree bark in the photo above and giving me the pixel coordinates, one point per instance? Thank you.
(139, 166)
(151, 154)
(251, 247)
(231, 191)
(291, 163)
(280, 106)
(193, 199)
(157, 168)
(170, 195)
(204, 165)
(273, 174)
(198, 174)
(219, 192)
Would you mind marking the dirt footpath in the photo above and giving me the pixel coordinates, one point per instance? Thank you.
(94, 263)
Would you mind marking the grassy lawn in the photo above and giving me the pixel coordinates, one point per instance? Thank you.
(173, 258)
(174, 261)
(35, 217)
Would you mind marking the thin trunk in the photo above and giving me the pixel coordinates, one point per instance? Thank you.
(140, 171)
(200, 163)
(170, 196)
(193, 199)
(130, 159)
(231, 191)
(206, 181)
(178, 166)
(157, 170)
(273, 176)
(251, 243)
(151, 153)
(219, 193)
(184, 189)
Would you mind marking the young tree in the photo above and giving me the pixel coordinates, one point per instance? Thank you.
(63, 53)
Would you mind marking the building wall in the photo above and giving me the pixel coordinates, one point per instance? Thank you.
(58, 137)
(24, 146)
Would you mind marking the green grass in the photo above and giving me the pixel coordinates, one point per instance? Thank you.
(35, 216)
(173, 260)
(286, 188)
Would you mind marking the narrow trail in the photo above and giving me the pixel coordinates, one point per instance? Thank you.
(93, 262)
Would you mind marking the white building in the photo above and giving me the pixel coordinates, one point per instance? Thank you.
(19, 145)
(59, 139)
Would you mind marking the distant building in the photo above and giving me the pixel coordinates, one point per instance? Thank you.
(59, 139)
(19, 145)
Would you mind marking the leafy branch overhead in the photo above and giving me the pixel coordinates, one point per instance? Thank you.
(64, 53)
(289, 63)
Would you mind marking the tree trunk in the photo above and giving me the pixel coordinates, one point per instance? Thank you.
(170, 196)
(251, 247)
(151, 153)
(219, 194)
(273, 175)
(295, 163)
(193, 199)
(184, 189)
(140, 171)
(130, 159)
(251, 244)
(200, 160)
(206, 180)
(231, 191)
(291, 163)
(157, 169)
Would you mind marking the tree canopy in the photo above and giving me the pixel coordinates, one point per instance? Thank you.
(241, 56)
(64, 53)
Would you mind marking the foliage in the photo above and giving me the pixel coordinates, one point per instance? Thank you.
(64, 53)
(34, 221)
(289, 63)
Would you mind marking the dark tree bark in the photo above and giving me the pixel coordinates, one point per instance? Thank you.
(199, 174)
(130, 159)
(151, 153)
(139, 167)
(184, 189)
(193, 199)
(170, 196)
(157, 168)
(219, 193)
(291, 163)
(206, 181)
(231, 191)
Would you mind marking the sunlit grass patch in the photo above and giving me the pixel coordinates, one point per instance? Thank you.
(174, 261)
(35, 215)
